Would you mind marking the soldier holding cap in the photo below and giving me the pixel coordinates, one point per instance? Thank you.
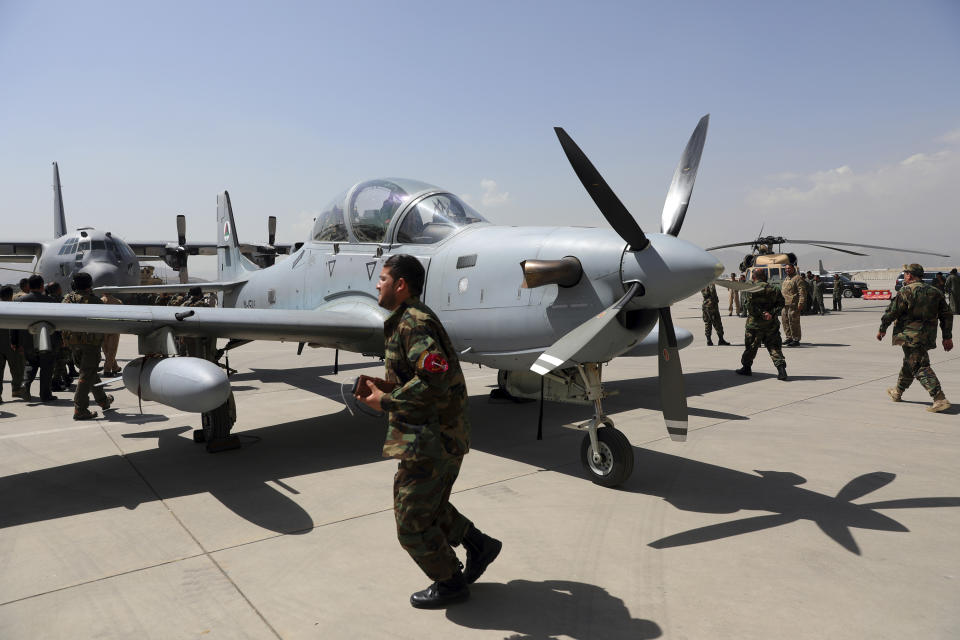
(915, 311)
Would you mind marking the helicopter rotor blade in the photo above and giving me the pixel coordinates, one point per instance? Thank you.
(870, 246)
(853, 253)
(681, 188)
(735, 244)
(606, 200)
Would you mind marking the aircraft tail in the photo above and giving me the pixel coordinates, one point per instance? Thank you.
(823, 272)
(59, 219)
(231, 264)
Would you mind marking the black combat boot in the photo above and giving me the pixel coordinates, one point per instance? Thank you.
(481, 551)
(744, 370)
(709, 342)
(722, 342)
(442, 592)
(781, 372)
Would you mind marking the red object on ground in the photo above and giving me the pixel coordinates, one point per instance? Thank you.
(877, 294)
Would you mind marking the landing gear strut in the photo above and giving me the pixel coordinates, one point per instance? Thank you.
(605, 452)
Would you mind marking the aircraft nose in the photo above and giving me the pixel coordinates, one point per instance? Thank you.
(675, 270)
(103, 275)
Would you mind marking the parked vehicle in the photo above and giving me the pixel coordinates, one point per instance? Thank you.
(851, 288)
(928, 277)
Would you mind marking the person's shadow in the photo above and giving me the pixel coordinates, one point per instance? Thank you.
(544, 610)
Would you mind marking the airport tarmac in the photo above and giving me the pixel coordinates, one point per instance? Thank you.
(813, 508)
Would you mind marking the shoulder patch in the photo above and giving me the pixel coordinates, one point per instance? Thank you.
(433, 363)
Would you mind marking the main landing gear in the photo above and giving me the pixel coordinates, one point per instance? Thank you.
(605, 452)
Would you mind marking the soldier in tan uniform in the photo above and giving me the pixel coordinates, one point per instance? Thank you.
(734, 297)
(795, 301)
(111, 342)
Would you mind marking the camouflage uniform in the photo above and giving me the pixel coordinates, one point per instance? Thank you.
(818, 286)
(734, 301)
(808, 294)
(837, 294)
(198, 347)
(9, 356)
(111, 342)
(794, 296)
(86, 355)
(953, 288)
(758, 330)
(711, 313)
(915, 312)
(428, 430)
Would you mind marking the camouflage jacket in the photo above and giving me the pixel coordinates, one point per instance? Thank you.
(198, 301)
(837, 288)
(953, 286)
(793, 291)
(818, 289)
(915, 312)
(710, 298)
(77, 337)
(427, 410)
(769, 299)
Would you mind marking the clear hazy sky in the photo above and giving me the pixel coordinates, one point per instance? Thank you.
(836, 119)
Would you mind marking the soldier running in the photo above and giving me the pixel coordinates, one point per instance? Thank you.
(763, 326)
(915, 311)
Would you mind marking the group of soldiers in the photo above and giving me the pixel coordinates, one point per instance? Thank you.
(916, 311)
(73, 355)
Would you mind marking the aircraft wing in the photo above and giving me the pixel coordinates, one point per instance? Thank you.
(158, 249)
(350, 324)
(173, 288)
(20, 251)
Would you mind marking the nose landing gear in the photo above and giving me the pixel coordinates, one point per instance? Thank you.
(605, 452)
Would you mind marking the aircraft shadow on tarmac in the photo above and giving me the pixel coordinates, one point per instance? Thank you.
(545, 610)
(250, 482)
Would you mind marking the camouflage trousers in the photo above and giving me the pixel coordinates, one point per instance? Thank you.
(791, 321)
(838, 303)
(916, 364)
(111, 343)
(87, 359)
(770, 338)
(428, 526)
(711, 320)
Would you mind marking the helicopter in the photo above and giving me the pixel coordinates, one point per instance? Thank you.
(763, 256)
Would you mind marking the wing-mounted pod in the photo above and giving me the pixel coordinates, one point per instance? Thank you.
(565, 272)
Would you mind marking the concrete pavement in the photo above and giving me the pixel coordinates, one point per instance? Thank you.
(811, 508)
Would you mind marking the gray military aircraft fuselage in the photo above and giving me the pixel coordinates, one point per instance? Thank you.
(546, 306)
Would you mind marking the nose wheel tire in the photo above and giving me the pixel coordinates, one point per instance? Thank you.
(615, 462)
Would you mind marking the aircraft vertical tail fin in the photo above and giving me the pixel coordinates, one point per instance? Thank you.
(823, 271)
(231, 264)
(59, 219)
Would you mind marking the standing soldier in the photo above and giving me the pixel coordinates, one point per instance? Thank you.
(711, 315)
(743, 298)
(837, 292)
(425, 397)
(24, 289)
(86, 353)
(953, 288)
(808, 289)
(818, 286)
(9, 347)
(794, 301)
(41, 362)
(734, 297)
(940, 282)
(763, 326)
(915, 312)
(61, 379)
(111, 342)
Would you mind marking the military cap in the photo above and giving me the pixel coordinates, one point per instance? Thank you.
(913, 268)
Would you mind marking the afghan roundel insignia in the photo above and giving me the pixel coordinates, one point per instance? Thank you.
(433, 363)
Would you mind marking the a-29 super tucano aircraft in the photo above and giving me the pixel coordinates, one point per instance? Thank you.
(546, 306)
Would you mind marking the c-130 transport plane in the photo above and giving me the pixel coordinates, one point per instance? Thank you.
(546, 306)
(109, 259)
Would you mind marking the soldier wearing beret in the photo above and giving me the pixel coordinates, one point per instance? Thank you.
(425, 396)
(915, 311)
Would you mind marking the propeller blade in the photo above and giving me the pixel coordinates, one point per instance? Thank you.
(607, 201)
(673, 396)
(181, 229)
(271, 230)
(871, 246)
(575, 345)
(678, 196)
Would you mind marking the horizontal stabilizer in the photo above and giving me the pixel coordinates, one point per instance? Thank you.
(173, 288)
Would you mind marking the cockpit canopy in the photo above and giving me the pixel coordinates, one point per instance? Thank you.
(393, 210)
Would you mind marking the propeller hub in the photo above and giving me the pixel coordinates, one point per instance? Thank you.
(673, 271)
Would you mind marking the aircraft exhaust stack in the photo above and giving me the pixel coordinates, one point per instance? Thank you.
(187, 384)
(565, 272)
